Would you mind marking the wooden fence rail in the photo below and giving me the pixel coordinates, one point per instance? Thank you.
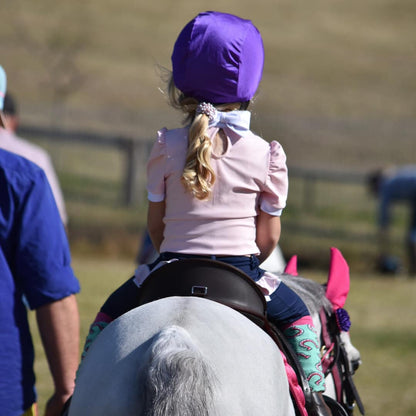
(135, 153)
(311, 177)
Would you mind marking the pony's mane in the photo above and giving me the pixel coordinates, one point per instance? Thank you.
(180, 382)
(311, 292)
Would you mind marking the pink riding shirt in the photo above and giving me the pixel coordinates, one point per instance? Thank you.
(250, 175)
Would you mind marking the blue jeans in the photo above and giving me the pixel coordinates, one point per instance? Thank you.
(249, 265)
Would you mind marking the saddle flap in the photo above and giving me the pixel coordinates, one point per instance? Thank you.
(205, 278)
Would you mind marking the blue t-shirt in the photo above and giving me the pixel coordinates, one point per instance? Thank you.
(34, 270)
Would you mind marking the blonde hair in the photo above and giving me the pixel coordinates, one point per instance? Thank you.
(198, 177)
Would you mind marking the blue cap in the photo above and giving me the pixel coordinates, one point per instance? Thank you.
(3, 85)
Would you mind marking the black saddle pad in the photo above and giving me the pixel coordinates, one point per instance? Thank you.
(210, 279)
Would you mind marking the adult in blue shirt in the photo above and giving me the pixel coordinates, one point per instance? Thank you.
(35, 270)
(391, 186)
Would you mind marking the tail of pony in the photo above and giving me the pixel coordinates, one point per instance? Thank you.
(179, 380)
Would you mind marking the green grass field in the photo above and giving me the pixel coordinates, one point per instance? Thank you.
(382, 315)
(337, 92)
(338, 81)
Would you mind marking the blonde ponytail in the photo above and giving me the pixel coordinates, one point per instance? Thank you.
(198, 177)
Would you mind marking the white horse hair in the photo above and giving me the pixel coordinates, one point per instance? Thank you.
(179, 381)
(182, 356)
(311, 292)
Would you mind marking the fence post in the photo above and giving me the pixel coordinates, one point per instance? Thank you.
(135, 168)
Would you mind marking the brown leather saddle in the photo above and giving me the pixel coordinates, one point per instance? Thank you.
(209, 279)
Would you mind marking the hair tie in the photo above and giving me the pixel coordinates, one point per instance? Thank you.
(208, 109)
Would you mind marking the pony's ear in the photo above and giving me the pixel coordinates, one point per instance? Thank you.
(338, 279)
(292, 266)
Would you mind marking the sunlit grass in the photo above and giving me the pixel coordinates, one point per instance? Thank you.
(382, 315)
(337, 90)
(98, 278)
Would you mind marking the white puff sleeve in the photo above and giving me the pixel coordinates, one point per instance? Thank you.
(156, 169)
(274, 195)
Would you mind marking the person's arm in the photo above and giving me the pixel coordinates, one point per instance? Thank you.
(59, 327)
(267, 234)
(155, 224)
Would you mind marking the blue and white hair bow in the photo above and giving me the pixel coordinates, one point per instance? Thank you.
(236, 121)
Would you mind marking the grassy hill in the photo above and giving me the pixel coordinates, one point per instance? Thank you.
(337, 92)
(386, 344)
(338, 86)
